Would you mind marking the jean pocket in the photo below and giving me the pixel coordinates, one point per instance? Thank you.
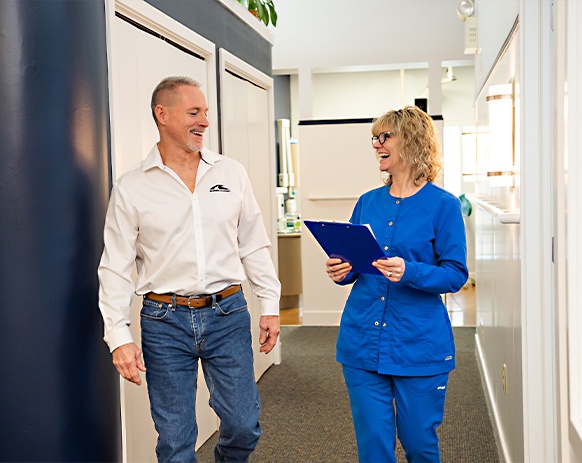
(154, 310)
(232, 304)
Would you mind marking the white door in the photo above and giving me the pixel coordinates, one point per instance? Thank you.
(247, 136)
(139, 61)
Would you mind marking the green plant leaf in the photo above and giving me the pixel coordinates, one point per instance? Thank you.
(273, 13)
(263, 12)
(244, 3)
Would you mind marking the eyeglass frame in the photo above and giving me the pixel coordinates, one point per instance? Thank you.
(385, 135)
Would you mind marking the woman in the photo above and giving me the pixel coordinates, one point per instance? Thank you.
(395, 341)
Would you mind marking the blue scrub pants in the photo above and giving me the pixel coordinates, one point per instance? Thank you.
(384, 404)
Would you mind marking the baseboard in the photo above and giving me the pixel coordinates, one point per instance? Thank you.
(491, 405)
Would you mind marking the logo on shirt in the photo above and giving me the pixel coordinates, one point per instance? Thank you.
(449, 357)
(441, 387)
(219, 188)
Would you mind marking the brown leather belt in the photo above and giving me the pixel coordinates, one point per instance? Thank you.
(193, 302)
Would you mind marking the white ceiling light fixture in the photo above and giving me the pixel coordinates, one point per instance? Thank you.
(465, 9)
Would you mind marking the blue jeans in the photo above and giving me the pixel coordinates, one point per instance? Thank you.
(383, 405)
(173, 339)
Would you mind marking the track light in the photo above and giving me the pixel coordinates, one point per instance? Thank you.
(465, 8)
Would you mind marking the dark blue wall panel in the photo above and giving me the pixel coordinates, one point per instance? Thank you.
(59, 398)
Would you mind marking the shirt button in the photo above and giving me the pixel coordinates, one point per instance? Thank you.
(383, 324)
(382, 298)
(376, 323)
(397, 201)
(386, 248)
(390, 223)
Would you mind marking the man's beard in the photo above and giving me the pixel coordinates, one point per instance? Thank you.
(194, 147)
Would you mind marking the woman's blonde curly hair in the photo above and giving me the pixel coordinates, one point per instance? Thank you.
(419, 143)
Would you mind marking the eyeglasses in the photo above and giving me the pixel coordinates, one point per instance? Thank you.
(382, 137)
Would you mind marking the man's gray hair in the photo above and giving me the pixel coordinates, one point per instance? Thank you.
(169, 83)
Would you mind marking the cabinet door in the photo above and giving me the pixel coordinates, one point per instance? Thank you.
(246, 137)
(139, 61)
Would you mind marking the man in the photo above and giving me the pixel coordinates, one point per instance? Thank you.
(188, 218)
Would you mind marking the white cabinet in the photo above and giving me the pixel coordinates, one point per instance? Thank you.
(248, 136)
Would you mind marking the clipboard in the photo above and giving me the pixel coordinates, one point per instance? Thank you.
(352, 243)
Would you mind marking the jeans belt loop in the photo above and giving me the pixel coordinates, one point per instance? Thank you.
(174, 302)
(214, 301)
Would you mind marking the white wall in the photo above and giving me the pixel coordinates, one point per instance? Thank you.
(365, 94)
(323, 33)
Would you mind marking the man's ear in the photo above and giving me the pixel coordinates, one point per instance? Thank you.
(161, 114)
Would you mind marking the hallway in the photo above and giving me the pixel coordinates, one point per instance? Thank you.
(305, 406)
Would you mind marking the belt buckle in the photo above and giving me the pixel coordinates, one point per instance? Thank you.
(196, 297)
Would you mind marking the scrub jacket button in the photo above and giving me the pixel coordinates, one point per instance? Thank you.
(390, 223)
(383, 324)
(397, 201)
(382, 298)
(376, 323)
(386, 248)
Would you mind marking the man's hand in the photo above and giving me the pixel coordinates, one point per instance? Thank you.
(127, 359)
(269, 325)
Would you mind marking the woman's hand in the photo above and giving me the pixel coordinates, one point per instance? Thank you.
(337, 270)
(392, 268)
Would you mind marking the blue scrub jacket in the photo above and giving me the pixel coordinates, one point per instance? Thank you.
(403, 328)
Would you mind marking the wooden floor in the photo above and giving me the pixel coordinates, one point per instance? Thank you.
(461, 307)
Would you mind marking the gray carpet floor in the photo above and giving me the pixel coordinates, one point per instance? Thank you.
(306, 415)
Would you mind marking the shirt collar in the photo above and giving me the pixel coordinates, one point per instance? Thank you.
(154, 158)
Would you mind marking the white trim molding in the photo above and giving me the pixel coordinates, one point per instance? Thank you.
(537, 314)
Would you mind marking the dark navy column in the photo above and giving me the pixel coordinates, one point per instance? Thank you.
(59, 398)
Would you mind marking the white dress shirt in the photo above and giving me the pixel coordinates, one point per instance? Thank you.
(182, 242)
